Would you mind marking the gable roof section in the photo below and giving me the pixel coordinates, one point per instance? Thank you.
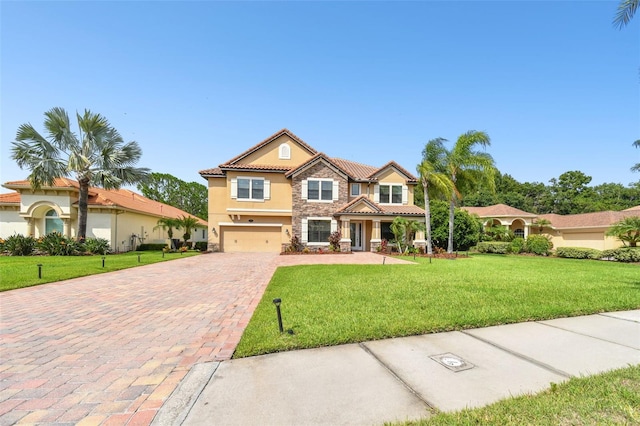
(355, 205)
(498, 210)
(319, 157)
(215, 172)
(268, 140)
(392, 164)
(10, 198)
(122, 198)
(357, 171)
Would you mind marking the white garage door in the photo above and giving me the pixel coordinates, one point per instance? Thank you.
(251, 239)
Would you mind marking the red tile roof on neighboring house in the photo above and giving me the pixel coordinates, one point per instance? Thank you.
(10, 198)
(270, 139)
(588, 220)
(498, 210)
(122, 198)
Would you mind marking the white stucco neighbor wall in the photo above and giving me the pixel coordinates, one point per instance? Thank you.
(11, 223)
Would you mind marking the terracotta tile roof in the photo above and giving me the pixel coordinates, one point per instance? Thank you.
(588, 220)
(318, 156)
(123, 198)
(57, 183)
(357, 171)
(215, 172)
(261, 167)
(402, 210)
(411, 178)
(10, 198)
(498, 210)
(269, 139)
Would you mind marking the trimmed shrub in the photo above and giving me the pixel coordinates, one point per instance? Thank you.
(19, 245)
(517, 245)
(538, 244)
(578, 253)
(623, 254)
(151, 247)
(201, 245)
(334, 241)
(495, 247)
(97, 246)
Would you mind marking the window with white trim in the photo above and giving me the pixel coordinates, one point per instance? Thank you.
(392, 194)
(250, 189)
(316, 230)
(355, 189)
(53, 223)
(284, 152)
(319, 189)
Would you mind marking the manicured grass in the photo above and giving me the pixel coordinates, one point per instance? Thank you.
(22, 271)
(334, 304)
(611, 398)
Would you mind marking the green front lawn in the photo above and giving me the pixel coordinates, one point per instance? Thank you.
(334, 304)
(611, 398)
(22, 271)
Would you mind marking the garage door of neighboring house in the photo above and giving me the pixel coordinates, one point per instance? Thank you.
(251, 239)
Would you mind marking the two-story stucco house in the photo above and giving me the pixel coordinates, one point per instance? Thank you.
(282, 187)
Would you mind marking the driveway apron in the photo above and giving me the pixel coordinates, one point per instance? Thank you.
(110, 348)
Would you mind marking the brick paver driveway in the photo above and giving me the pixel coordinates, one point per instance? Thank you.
(109, 349)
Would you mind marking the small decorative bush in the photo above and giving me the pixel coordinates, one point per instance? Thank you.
(183, 249)
(578, 253)
(56, 244)
(295, 245)
(19, 245)
(623, 254)
(334, 241)
(384, 246)
(97, 246)
(517, 245)
(201, 246)
(538, 244)
(495, 247)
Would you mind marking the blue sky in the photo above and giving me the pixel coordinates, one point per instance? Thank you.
(553, 83)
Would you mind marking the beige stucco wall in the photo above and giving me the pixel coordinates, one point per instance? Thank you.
(391, 176)
(11, 223)
(595, 239)
(269, 154)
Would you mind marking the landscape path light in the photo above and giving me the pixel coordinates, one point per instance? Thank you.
(277, 302)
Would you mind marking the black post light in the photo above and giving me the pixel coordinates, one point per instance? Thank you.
(383, 259)
(103, 261)
(277, 302)
(138, 258)
(39, 270)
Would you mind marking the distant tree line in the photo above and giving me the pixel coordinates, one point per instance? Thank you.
(568, 194)
(192, 197)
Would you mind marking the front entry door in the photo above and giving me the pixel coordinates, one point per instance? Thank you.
(356, 236)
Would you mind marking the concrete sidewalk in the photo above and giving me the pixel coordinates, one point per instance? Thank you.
(403, 378)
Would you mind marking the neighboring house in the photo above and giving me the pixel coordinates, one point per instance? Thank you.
(572, 230)
(124, 218)
(282, 187)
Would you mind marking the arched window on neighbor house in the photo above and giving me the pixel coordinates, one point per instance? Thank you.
(52, 223)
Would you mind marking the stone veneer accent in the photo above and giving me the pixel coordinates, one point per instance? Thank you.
(304, 208)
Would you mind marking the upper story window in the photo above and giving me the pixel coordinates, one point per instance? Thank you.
(319, 189)
(355, 189)
(284, 152)
(391, 194)
(250, 189)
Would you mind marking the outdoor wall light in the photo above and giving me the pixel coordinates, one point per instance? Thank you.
(277, 302)
(286, 231)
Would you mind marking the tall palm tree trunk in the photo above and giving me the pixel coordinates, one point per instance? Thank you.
(427, 220)
(452, 206)
(82, 208)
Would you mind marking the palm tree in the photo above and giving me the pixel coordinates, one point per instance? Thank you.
(187, 223)
(98, 157)
(434, 180)
(636, 168)
(627, 230)
(402, 229)
(626, 10)
(168, 224)
(468, 167)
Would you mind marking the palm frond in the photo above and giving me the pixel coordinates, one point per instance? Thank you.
(625, 12)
